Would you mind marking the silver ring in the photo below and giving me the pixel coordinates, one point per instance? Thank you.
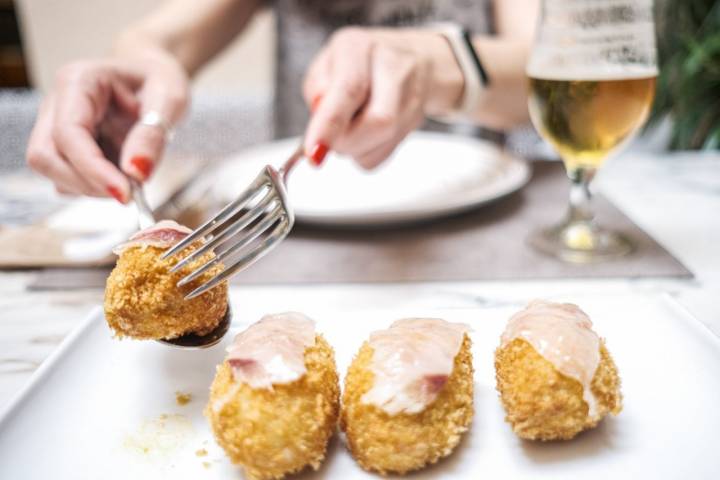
(152, 118)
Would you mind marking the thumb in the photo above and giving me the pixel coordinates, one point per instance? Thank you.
(145, 142)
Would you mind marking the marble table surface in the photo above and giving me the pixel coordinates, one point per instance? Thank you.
(674, 197)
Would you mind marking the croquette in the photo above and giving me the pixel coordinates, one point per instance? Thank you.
(142, 299)
(541, 401)
(275, 429)
(403, 441)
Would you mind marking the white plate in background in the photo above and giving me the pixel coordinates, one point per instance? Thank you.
(430, 175)
(105, 409)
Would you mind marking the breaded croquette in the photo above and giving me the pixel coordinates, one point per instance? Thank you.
(274, 401)
(408, 395)
(554, 374)
(142, 299)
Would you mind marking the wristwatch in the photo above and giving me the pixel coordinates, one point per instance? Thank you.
(474, 74)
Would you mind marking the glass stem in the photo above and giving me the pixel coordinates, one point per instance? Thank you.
(580, 197)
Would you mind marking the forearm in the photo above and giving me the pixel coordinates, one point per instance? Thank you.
(186, 32)
(504, 56)
(503, 103)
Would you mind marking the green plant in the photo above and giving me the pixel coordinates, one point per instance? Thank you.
(688, 88)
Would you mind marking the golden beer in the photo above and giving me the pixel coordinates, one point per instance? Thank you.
(586, 119)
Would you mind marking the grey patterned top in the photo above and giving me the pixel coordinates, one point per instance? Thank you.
(303, 26)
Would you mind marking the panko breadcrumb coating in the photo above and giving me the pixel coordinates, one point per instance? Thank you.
(279, 431)
(542, 403)
(143, 301)
(404, 442)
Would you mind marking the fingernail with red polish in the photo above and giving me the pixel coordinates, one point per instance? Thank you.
(142, 164)
(116, 194)
(315, 103)
(317, 154)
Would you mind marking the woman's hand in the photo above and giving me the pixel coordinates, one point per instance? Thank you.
(87, 130)
(368, 88)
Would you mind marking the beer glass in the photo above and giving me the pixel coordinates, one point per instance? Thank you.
(592, 75)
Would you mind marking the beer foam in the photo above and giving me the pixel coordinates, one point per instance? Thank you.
(598, 72)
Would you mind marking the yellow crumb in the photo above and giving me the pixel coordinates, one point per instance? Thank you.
(183, 399)
(161, 436)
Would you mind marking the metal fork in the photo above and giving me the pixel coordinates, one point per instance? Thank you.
(241, 228)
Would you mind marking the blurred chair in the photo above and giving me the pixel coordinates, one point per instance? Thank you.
(12, 64)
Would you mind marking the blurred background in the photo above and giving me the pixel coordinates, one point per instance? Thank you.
(38, 36)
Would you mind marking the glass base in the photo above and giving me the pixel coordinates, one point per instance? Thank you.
(580, 242)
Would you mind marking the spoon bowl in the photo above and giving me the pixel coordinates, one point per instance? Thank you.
(194, 341)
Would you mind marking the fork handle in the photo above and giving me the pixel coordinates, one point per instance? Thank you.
(145, 215)
(290, 163)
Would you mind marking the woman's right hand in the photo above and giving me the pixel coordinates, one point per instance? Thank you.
(87, 137)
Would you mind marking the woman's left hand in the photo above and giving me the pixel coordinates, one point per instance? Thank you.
(368, 88)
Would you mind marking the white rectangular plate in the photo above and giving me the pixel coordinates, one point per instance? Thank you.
(103, 409)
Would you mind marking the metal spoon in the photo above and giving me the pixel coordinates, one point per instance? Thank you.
(190, 340)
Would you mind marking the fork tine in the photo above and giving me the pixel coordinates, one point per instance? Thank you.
(278, 234)
(227, 212)
(244, 241)
(241, 223)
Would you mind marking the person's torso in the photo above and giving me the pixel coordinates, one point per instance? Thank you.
(303, 27)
